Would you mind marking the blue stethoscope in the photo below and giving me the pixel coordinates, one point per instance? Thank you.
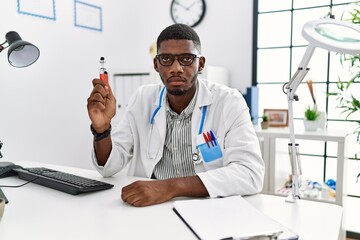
(195, 156)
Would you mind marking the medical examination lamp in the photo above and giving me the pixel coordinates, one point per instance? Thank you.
(331, 35)
(21, 53)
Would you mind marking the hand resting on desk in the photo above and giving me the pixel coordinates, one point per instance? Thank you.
(145, 193)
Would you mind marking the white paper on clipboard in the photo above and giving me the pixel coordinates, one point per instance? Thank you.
(227, 218)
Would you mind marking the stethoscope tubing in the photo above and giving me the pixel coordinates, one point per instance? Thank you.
(203, 115)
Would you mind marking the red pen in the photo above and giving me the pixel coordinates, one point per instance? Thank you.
(206, 140)
(103, 72)
(210, 138)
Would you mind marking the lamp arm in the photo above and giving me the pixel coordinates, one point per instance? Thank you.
(2, 47)
(301, 72)
(291, 87)
(295, 186)
(1, 144)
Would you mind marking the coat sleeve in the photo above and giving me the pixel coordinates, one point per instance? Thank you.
(121, 152)
(122, 139)
(243, 167)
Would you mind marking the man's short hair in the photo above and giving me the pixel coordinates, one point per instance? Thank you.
(179, 31)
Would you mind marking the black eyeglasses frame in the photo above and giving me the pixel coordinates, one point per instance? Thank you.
(178, 58)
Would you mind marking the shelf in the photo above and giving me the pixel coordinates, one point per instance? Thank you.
(268, 138)
(325, 195)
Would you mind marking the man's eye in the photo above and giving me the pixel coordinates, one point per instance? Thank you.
(186, 59)
(166, 59)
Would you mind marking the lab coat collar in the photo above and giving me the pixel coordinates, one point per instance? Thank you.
(204, 96)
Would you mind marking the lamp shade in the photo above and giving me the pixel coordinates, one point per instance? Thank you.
(20, 53)
(332, 35)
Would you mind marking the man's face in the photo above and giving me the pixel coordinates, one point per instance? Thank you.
(177, 78)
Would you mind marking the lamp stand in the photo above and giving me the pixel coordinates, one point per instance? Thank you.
(295, 183)
(291, 88)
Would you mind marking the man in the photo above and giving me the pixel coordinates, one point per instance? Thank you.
(195, 138)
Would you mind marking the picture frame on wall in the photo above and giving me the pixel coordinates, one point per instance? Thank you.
(277, 117)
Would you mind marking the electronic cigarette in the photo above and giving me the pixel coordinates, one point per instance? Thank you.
(103, 72)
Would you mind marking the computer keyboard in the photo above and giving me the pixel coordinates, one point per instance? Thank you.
(61, 181)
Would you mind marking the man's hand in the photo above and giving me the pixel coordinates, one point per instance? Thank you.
(145, 193)
(101, 106)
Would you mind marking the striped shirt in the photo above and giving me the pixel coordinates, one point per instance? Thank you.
(176, 160)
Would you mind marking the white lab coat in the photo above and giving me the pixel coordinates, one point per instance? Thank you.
(239, 172)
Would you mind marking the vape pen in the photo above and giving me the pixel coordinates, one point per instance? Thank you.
(103, 72)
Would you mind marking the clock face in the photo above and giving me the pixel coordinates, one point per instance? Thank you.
(189, 12)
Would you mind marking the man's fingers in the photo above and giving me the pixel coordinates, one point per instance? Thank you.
(130, 197)
(136, 200)
(103, 89)
(97, 97)
(133, 200)
(131, 194)
(97, 81)
(109, 92)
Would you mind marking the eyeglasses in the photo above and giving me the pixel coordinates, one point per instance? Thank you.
(185, 59)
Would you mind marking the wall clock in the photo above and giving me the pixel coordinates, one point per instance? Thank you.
(189, 12)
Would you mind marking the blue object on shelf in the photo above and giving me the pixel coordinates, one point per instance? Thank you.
(252, 100)
(331, 183)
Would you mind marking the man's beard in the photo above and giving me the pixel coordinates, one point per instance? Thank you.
(177, 92)
(180, 92)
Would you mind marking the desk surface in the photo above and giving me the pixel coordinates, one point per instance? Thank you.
(37, 212)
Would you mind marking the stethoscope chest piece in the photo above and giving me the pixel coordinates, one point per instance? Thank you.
(196, 158)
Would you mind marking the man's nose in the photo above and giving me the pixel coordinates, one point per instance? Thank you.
(176, 66)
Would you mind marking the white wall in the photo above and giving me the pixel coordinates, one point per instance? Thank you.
(43, 113)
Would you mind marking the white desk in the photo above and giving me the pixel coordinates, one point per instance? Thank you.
(269, 137)
(37, 212)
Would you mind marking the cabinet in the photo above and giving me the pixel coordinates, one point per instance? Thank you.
(125, 85)
(268, 140)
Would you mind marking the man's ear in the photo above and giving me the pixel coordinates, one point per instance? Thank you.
(202, 61)
(156, 65)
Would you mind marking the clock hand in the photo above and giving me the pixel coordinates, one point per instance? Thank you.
(188, 8)
(180, 5)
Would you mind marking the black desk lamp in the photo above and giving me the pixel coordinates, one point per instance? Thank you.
(21, 53)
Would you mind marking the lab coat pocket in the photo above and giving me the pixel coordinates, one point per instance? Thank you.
(210, 150)
(211, 153)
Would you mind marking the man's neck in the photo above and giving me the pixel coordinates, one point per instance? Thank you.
(179, 102)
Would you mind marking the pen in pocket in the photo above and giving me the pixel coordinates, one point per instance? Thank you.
(213, 137)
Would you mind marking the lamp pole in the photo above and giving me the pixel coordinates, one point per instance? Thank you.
(2, 195)
(291, 88)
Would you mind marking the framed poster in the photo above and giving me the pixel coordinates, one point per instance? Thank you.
(37, 8)
(87, 16)
(277, 117)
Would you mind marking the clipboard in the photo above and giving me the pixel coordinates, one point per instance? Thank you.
(229, 218)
